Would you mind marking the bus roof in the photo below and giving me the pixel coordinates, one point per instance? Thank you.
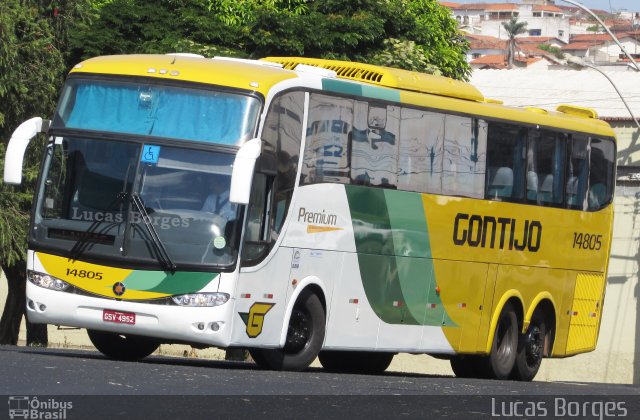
(416, 88)
(234, 73)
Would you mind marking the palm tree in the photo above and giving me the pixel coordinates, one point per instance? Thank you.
(513, 28)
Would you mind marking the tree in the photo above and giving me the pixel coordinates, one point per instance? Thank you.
(32, 68)
(414, 34)
(513, 28)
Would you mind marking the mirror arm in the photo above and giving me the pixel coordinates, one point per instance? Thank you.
(18, 145)
(243, 167)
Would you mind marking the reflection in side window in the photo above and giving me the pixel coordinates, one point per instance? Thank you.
(465, 145)
(420, 151)
(326, 155)
(374, 148)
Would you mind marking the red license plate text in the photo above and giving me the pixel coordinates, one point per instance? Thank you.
(118, 317)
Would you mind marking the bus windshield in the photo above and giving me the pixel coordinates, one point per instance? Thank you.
(143, 203)
(177, 112)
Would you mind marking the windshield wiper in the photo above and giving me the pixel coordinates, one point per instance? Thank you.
(88, 236)
(162, 255)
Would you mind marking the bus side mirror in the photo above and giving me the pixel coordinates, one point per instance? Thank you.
(18, 145)
(243, 167)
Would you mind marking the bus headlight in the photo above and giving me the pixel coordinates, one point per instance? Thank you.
(201, 299)
(46, 281)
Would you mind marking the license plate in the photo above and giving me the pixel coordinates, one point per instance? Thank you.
(118, 317)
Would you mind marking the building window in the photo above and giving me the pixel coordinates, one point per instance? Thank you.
(560, 33)
(535, 32)
(537, 14)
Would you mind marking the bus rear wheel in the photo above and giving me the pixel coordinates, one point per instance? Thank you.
(122, 346)
(501, 359)
(530, 350)
(305, 335)
(355, 361)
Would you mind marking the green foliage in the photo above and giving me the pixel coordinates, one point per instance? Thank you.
(513, 28)
(552, 50)
(406, 55)
(414, 34)
(31, 73)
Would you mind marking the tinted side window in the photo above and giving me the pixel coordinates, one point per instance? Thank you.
(601, 174)
(545, 162)
(505, 162)
(577, 178)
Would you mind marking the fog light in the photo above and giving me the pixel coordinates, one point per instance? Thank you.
(42, 307)
(215, 326)
(201, 326)
(31, 305)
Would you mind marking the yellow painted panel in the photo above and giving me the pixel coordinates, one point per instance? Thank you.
(584, 312)
(462, 290)
(581, 338)
(589, 286)
(512, 234)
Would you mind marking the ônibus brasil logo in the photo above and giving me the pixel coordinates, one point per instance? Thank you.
(34, 408)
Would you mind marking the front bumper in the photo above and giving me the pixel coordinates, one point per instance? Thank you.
(209, 325)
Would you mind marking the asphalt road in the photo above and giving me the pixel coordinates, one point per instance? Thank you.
(48, 380)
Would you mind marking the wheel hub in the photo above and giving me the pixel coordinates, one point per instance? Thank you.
(535, 342)
(299, 331)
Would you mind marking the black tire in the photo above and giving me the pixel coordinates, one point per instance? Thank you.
(355, 361)
(305, 336)
(467, 366)
(530, 349)
(502, 358)
(123, 346)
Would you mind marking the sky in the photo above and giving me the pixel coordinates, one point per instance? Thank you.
(616, 5)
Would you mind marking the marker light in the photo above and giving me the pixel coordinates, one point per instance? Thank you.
(201, 299)
(46, 281)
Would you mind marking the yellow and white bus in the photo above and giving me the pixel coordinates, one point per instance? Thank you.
(304, 207)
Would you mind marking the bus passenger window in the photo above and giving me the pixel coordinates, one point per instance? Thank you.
(577, 172)
(601, 173)
(505, 162)
(420, 151)
(327, 147)
(545, 163)
(465, 145)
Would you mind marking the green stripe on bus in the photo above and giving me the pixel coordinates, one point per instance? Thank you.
(394, 254)
(354, 89)
(171, 284)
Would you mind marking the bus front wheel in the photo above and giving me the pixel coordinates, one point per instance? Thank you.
(530, 350)
(122, 346)
(501, 359)
(305, 335)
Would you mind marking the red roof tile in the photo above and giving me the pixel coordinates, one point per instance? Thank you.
(590, 37)
(580, 45)
(547, 8)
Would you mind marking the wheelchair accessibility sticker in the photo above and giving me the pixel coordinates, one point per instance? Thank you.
(150, 154)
